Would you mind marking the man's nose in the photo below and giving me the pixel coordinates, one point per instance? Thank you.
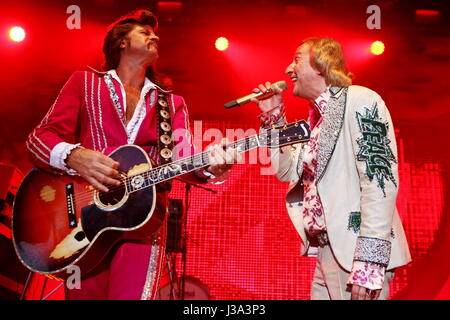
(154, 37)
(289, 69)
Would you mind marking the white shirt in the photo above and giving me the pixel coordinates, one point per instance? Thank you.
(132, 127)
(60, 152)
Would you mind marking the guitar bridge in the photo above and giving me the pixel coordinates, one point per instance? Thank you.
(71, 205)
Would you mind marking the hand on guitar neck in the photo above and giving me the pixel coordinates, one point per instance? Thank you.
(221, 159)
(96, 168)
(100, 170)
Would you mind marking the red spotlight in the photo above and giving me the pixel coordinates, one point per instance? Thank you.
(169, 7)
(423, 15)
(222, 44)
(377, 48)
(17, 34)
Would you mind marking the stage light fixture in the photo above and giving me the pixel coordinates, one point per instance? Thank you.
(17, 34)
(377, 48)
(222, 44)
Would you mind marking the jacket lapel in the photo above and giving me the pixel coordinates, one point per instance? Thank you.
(331, 127)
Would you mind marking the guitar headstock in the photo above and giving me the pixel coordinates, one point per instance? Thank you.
(287, 134)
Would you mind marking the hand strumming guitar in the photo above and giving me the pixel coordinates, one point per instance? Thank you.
(95, 167)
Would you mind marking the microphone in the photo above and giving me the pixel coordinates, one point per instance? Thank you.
(260, 95)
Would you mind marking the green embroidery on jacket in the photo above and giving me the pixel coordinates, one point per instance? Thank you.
(354, 221)
(374, 148)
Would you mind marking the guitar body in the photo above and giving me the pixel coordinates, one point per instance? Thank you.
(60, 221)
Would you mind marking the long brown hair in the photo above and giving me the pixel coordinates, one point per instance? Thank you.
(118, 30)
(327, 57)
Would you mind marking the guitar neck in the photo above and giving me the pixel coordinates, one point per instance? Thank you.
(188, 164)
(275, 137)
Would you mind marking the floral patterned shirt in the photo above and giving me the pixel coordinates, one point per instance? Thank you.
(313, 219)
(365, 274)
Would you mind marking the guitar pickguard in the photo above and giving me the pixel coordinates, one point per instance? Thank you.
(70, 245)
(138, 169)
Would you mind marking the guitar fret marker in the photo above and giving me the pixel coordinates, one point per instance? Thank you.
(137, 181)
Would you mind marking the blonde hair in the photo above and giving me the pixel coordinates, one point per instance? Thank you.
(327, 57)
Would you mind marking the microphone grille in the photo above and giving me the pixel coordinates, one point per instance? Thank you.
(281, 84)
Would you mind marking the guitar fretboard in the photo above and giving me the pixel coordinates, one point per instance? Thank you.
(185, 165)
(274, 137)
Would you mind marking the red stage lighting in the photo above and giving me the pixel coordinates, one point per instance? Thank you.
(423, 15)
(423, 12)
(16, 34)
(377, 48)
(169, 7)
(222, 44)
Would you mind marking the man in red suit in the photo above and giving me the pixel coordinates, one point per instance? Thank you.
(97, 112)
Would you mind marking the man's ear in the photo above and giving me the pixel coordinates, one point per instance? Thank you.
(123, 43)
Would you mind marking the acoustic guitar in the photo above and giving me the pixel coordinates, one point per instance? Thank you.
(60, 221)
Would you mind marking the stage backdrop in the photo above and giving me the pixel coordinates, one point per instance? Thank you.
(242, 245)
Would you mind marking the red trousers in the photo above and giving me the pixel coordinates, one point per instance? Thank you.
(120, 276)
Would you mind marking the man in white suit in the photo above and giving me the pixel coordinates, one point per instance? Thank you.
(344, 181)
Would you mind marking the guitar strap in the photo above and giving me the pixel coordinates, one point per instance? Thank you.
(163, 127)
(165, 140)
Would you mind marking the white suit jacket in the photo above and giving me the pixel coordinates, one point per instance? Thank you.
(358, 181)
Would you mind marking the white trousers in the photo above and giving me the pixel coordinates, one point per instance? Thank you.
(330, 279)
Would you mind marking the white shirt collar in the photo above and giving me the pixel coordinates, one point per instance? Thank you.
(147, 83)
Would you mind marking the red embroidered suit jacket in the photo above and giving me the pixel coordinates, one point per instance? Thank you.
(85, 113)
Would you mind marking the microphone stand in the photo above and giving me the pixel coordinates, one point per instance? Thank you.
(188, 186)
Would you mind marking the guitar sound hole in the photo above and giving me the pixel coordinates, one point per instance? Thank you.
(114, 196)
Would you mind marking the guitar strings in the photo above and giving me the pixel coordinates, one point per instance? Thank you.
(152, 174)
(81, 197)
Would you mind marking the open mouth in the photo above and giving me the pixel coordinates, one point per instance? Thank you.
(152, 44)
(294, 78)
